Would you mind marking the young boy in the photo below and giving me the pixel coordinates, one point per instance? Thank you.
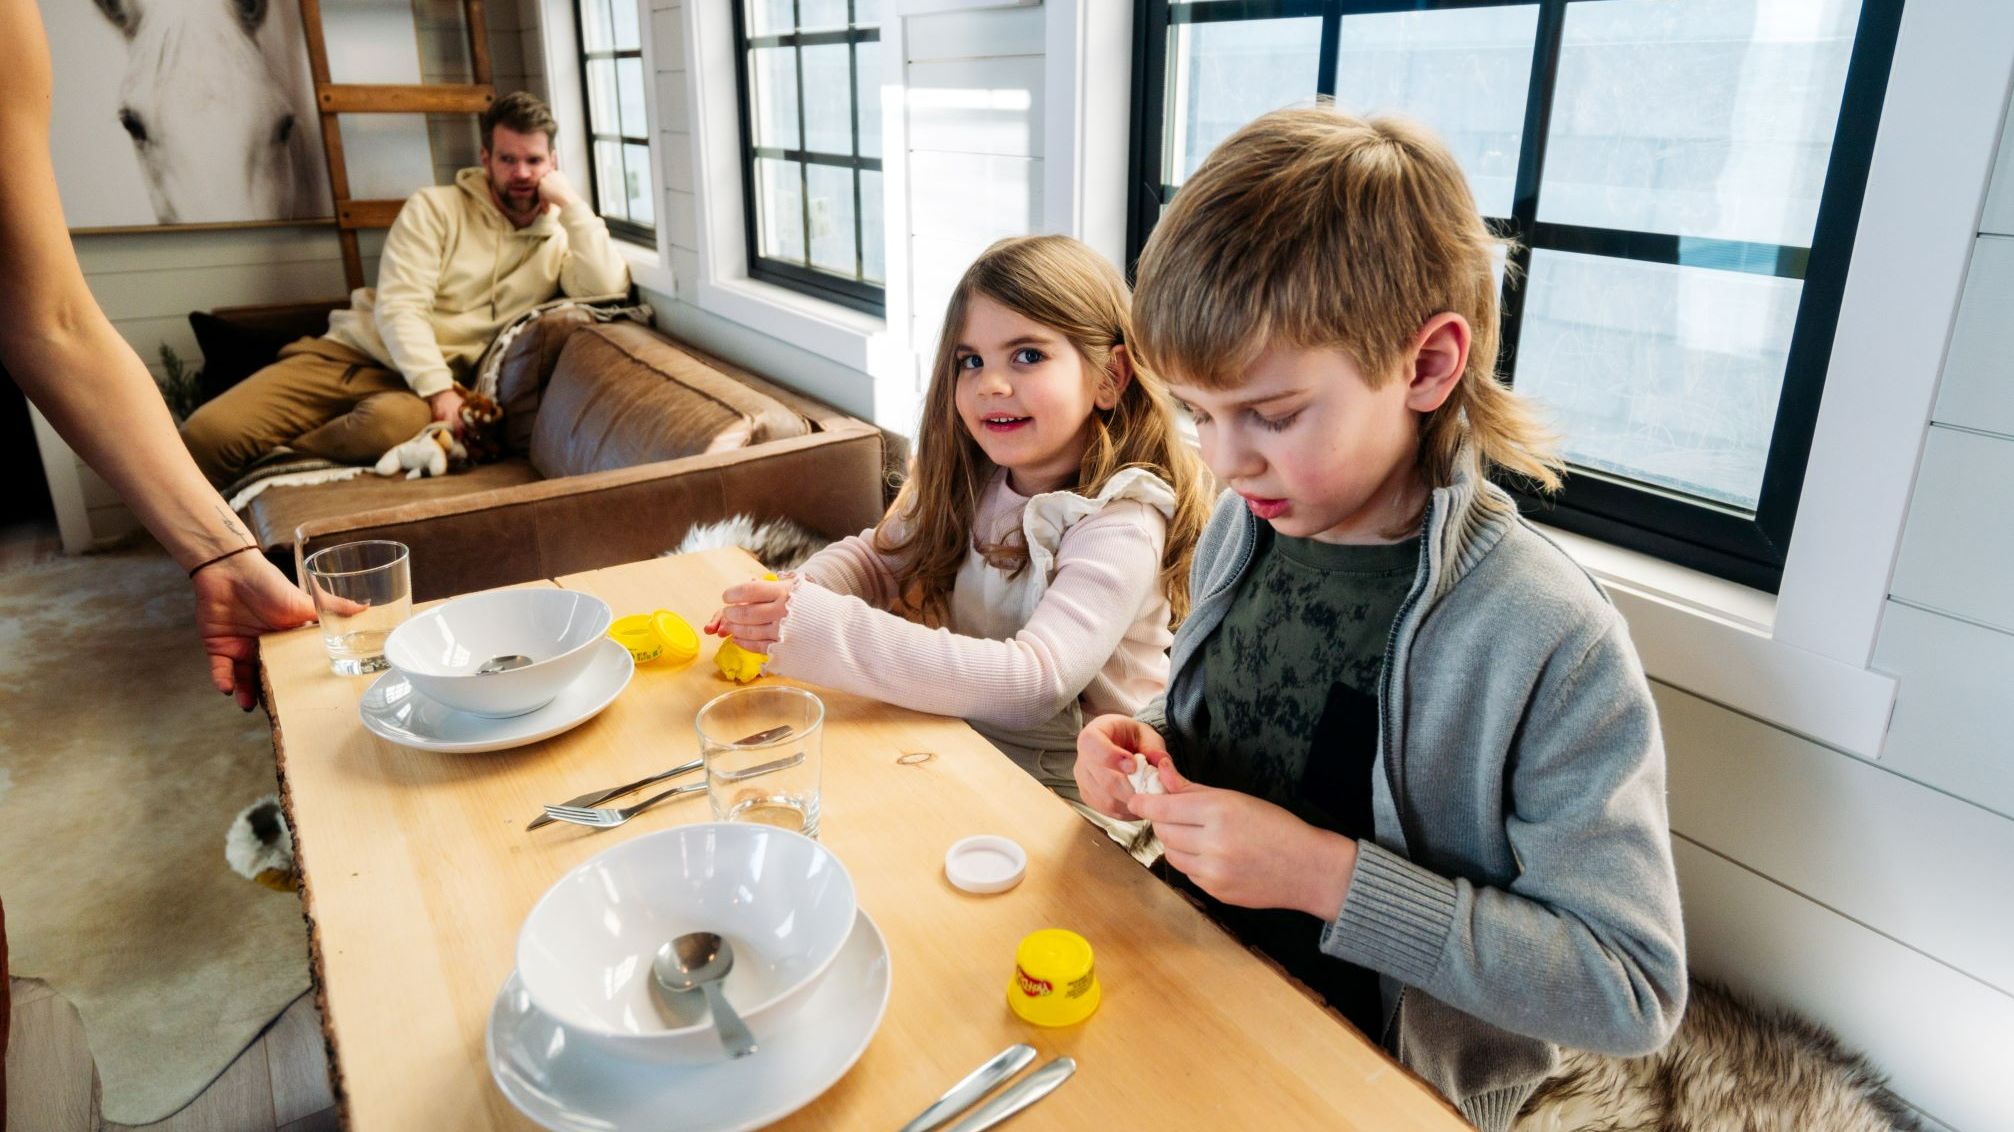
(1418, 760)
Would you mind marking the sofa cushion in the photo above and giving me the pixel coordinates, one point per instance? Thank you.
(237, 342)
(527, 365)
(623, 395)
(274, 513)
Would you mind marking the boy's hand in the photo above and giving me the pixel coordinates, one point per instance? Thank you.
(1244, 850)
(754, 614)
(1105, 750)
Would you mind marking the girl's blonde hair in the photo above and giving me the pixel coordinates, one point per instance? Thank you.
(1064, 285)
(1311, 229)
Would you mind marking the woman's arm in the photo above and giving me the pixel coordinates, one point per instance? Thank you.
(1108, 568)
(61, 350)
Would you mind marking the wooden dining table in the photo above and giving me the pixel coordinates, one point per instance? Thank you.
(417, 871)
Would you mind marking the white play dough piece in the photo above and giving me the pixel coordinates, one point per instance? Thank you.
(1145, 777)
(985, 864)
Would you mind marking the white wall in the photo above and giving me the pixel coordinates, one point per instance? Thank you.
(148, 282)
(1873, 894)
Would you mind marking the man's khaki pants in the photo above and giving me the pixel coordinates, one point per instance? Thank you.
(320, 399)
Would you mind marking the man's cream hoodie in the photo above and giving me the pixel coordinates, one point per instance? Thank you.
(454, 272)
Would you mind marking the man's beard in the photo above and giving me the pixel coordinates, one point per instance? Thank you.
(517, 201)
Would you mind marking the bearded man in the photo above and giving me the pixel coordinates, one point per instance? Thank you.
(459, 263)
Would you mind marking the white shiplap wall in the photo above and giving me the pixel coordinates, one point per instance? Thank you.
(1872, 895)
(976, 115)
(148, 282)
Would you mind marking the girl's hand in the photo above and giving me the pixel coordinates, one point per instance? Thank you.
(1247, 851)
(1105, 750)
(754, 614)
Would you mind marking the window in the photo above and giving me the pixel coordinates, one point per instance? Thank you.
(811, 146)
(1682, 179)
(618, 135)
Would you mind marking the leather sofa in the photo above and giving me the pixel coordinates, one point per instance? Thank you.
(633, 438)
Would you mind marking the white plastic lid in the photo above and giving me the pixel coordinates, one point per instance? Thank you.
(985, 864)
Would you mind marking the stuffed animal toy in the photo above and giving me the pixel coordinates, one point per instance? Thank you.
(481, 432)
(428, 454)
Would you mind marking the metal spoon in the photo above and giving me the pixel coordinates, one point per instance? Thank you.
(503, 663)
(699, 961)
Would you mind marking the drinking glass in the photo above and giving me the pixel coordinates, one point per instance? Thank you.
(362, 590)
(761, 747)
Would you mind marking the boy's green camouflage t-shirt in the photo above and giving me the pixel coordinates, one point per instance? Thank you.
(1290, 692)
(1290, 677)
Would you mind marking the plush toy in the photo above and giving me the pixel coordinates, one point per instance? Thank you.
(427, 454)
(481, 431)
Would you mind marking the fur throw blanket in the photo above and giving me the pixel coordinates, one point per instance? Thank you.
(779, 544)
(1731, 1066)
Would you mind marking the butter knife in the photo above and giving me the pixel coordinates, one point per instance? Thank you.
(976, 1084)
(1018, 1096)
(597, 797)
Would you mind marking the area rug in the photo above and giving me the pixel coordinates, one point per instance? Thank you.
(121, 769)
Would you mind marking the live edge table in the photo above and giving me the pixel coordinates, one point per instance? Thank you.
(416, 871)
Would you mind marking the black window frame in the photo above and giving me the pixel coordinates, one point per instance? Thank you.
(621, 227)
(1694, 533)
(856, 293)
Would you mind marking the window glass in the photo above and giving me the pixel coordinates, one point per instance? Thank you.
(828, 118)
(1223, 75)
(832, 218)
(636, 167)
(872, 237)
(811, 71)
(618, 125)
(629, 94)
(867, 96)
(1465, 72)
(1708, 118)
(774, 73)
(1668, 375)
(781, 202)
(821, 15)
(608, 179)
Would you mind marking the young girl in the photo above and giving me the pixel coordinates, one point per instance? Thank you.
(1029, 574)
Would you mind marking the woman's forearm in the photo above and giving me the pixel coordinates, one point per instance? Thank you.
(103, 402)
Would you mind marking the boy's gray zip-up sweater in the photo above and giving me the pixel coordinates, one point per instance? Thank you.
(1520, 893)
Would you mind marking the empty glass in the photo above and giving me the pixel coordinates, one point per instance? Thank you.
(761, 747)
(362, 591)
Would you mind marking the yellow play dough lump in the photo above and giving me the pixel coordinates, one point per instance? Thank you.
(737, 663)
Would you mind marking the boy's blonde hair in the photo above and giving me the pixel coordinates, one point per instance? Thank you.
(1311, 229)
(1072, 290)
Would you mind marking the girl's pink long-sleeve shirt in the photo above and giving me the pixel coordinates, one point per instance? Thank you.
(1097, 636)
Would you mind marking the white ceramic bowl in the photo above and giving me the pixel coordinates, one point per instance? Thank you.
(440, 649)
(782, 900)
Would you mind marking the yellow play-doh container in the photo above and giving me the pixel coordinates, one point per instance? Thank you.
(1055, 982)
(680, 640)
(649, 637)
(636, 634)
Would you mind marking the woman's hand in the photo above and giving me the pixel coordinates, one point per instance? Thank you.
(236, 600)
(1105, 750)
(754, 614)
(1245, 850)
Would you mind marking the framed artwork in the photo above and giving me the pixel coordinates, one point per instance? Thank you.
(183, 112)
(201, 113)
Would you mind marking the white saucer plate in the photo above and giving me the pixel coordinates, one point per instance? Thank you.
(392, 709)
(573, 1086)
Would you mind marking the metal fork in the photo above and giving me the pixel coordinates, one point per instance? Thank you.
(597, 797)
(608, 817)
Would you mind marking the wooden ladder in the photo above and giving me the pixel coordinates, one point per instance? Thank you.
(334, 98)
